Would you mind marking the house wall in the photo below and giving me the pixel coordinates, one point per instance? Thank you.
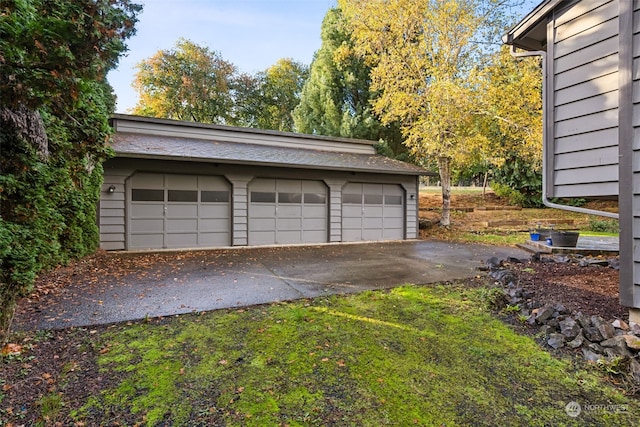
(113, 206)
(582, 121)
(630, 159)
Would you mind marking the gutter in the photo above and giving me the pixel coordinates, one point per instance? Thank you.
(545, 200)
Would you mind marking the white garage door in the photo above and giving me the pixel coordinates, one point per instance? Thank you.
(178, 211)
(372, 212)
(283, 211)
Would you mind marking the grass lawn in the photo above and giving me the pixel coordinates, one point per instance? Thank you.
(415, 355)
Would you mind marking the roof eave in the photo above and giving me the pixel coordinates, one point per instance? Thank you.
(273, 164)
(518, 35)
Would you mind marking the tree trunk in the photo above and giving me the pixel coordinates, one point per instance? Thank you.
(445, 179)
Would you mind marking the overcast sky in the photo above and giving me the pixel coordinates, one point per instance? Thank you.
(251, 34)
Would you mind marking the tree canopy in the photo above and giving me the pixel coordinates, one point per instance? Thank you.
(54, 109)
(425, 58)
(187, 82)
(337, 98)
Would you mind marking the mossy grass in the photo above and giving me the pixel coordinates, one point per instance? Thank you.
(414, 355)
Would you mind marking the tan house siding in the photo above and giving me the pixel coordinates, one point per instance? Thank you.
(583, 51)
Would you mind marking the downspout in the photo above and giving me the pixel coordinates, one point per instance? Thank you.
(545, 200)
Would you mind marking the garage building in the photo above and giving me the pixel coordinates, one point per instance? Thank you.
(176, 184)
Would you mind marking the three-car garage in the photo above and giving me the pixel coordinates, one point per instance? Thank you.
(175, 185)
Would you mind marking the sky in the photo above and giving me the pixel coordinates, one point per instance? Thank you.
(251, 34)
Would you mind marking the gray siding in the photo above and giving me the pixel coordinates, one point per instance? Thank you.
(583, 121)
(112, 211)
(630, 291)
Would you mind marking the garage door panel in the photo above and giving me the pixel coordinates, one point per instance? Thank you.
(297, 210)
(352, 222)
(214, 239)
(372, 234)
(182, 211)
(263, 237)
(263, 211)
(289, 224)
(214, 224)
(190, 211)
(181, 225)
(375, 222)
(214, 211)
(289, 237)
(147, 225)
(289, 211)
(182, 240)
(144, 241)
(314, 224)
(147, 211)
(372, 212)
(392, 234)
(314, 212)
(264, 224)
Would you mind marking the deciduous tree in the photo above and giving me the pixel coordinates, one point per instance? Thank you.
(423, 55)
(187, 82)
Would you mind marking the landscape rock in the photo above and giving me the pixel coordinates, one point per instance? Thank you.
(544, 314)
(592, 334)
(556, 341)
(620, 324)
(632, 341)
(583, 321)
(588, 262)
(618, 345)
(577, 342)
(590, 356)
(596, 348)
(606, 330)
(569, 328)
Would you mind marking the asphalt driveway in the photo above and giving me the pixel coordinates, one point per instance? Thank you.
(129, 286)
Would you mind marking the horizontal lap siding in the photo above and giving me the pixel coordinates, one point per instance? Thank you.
(585, 100)
(112, 211)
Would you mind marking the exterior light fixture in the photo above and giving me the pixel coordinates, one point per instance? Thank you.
(111, 189)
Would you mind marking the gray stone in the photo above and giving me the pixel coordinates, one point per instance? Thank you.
(544, 314)
(597, 348)
(606, 330)
(556, 340)
(618, 345)
(590, 355)
(588, 262)
(592, 334)
(582, 320)
(632, 341)
(561, 309)
(620, 324)
(546, 330)
(569, 328)
(577, 341)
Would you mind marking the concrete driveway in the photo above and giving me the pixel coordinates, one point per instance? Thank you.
(171, 283)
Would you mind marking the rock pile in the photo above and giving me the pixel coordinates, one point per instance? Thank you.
(598, 340)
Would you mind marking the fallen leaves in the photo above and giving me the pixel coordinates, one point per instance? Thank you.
(11, 349)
